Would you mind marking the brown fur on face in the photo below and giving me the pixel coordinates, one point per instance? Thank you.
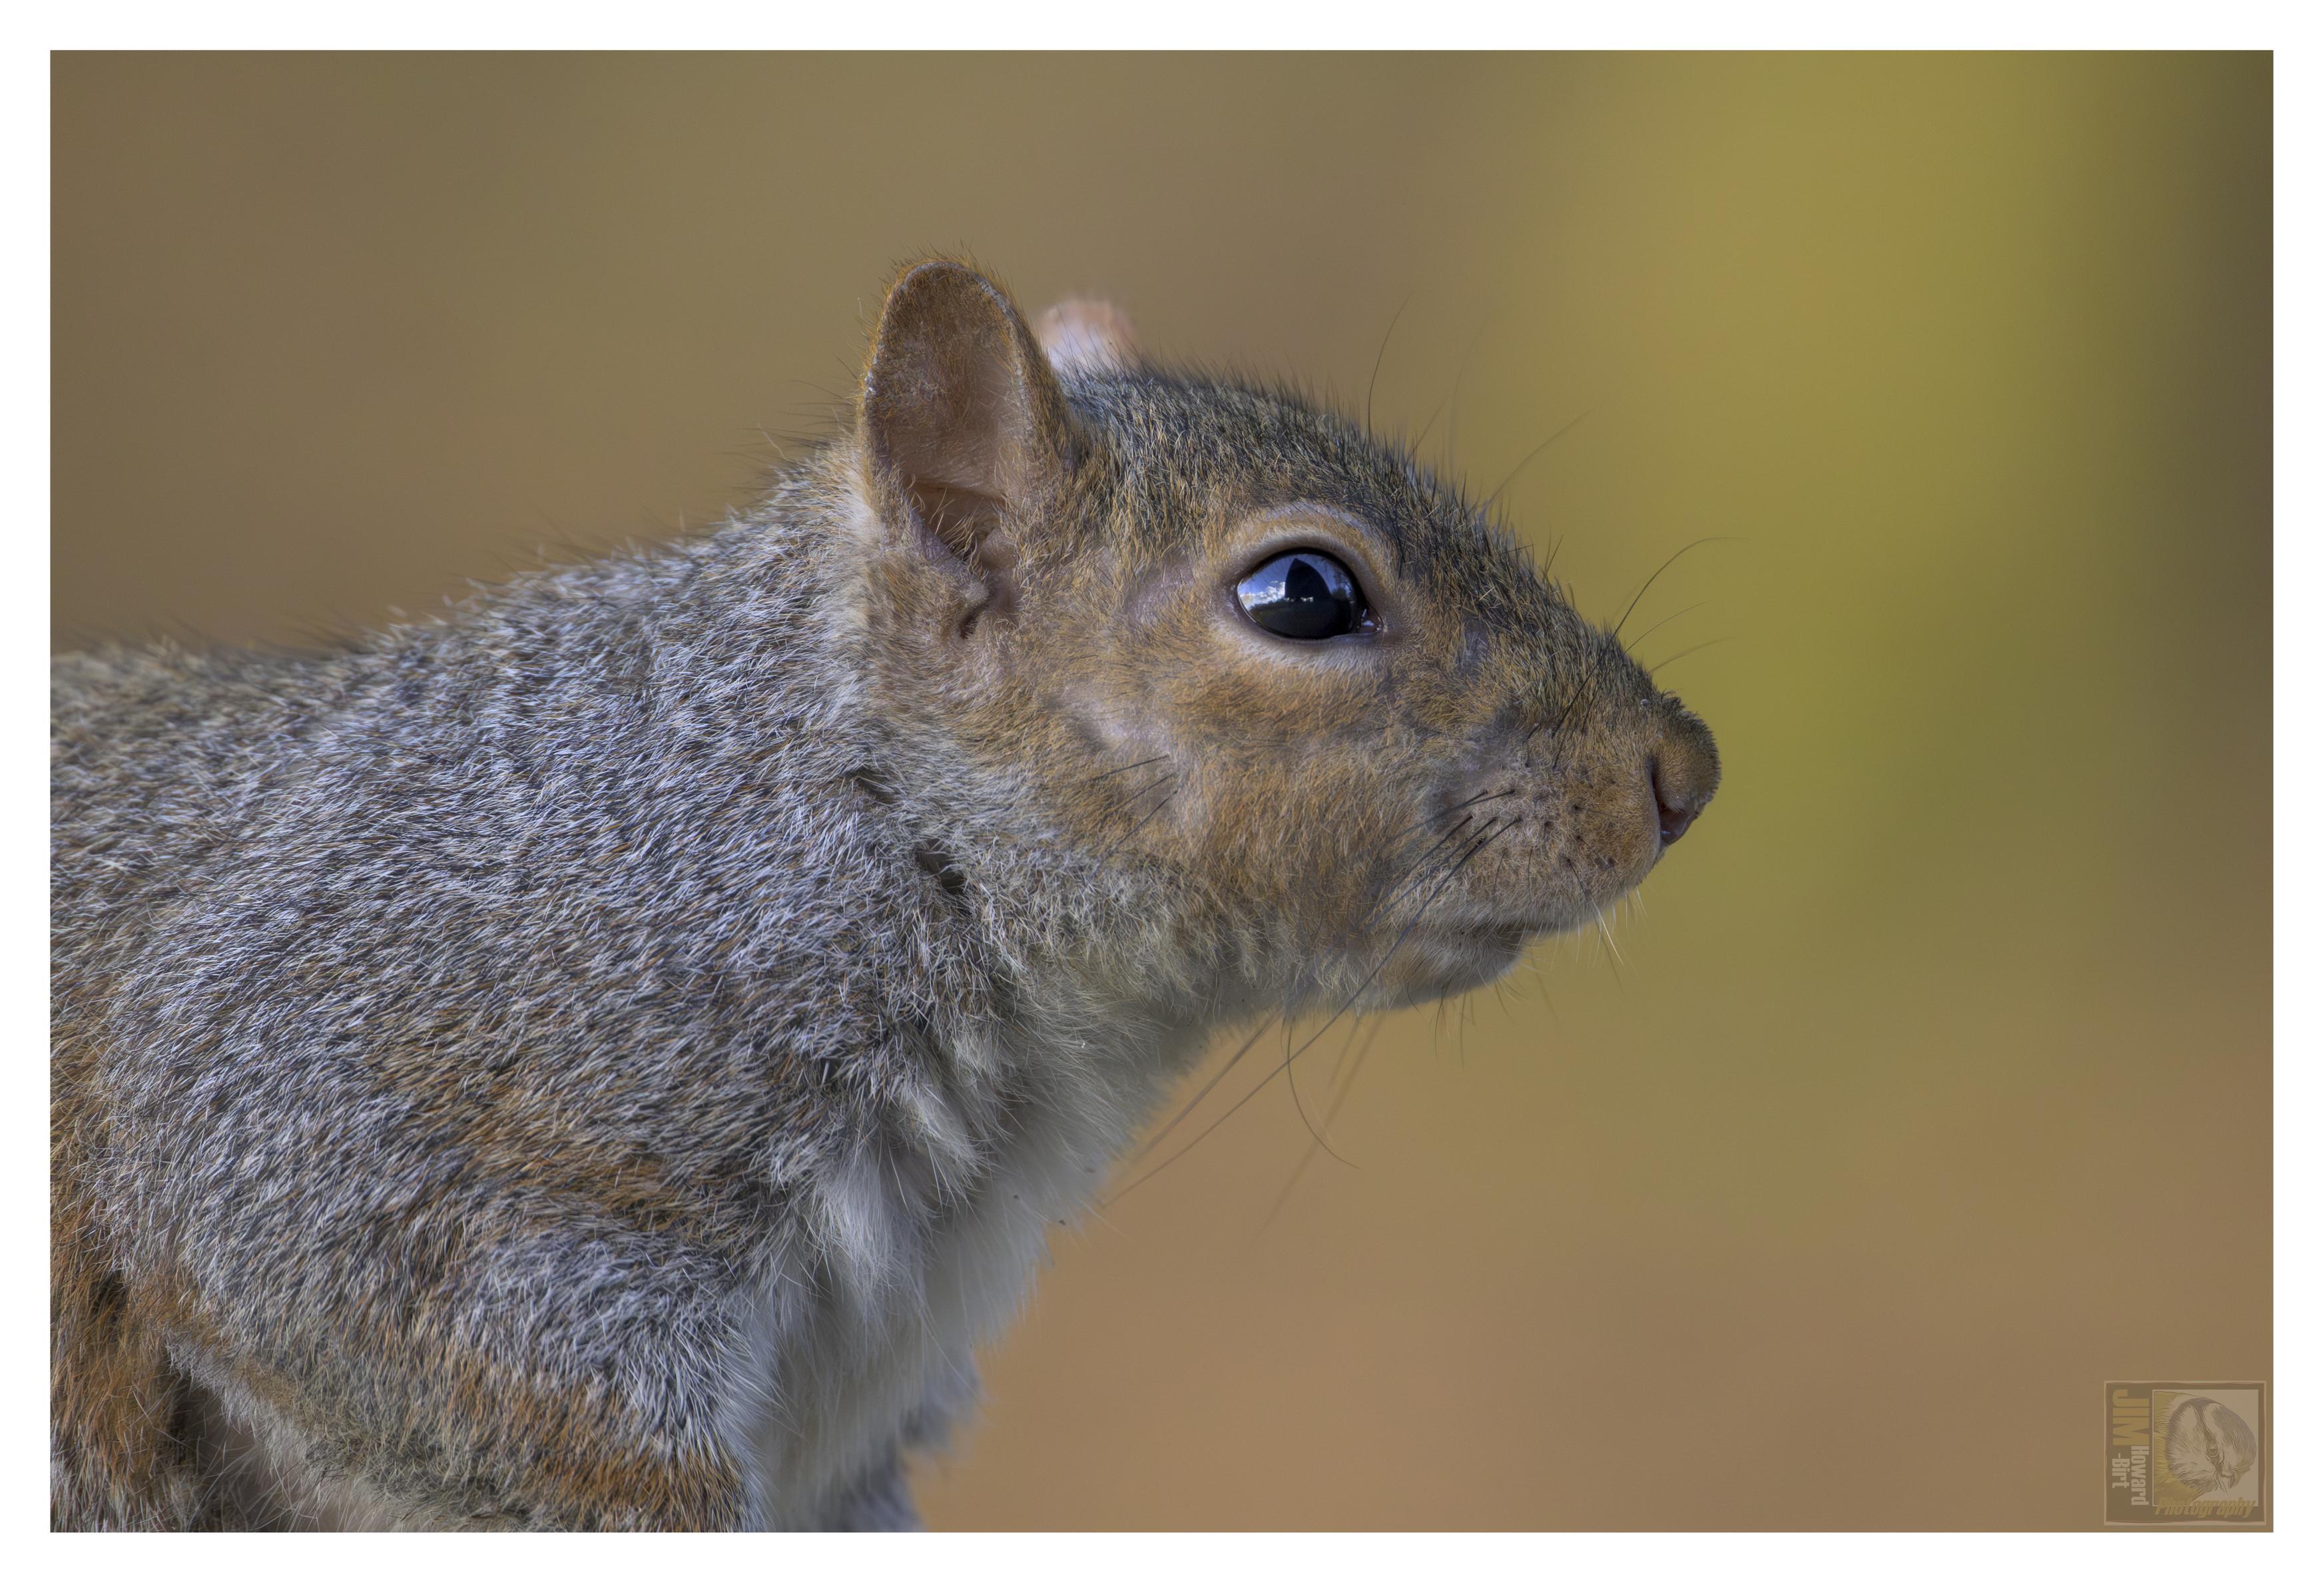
(1399, 811)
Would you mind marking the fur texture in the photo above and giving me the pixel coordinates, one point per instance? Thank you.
(606, 1057)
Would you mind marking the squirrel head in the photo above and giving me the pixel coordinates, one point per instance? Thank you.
(1187, 629)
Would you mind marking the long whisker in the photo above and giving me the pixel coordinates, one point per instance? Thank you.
(1566, 428)
(1492, 834)
(1387, 900)
(1381, 356)
(1613, 951)
(1377, 909)
(1291, 1078)
(1131, 834)
(1397, 891)
(1413, 445)
(1204, 1091)
(1124, 801)
(1337, 1082)
(1585, 686)
(1355, 1069)
(1665, 621)
(1141, 763)
(1449, 812)
(1339, 1100)
(1666, 566)
(1479, 845)
(1683, 653)
(1413, 870)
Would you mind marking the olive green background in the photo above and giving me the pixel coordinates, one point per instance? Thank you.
(1925, 1089)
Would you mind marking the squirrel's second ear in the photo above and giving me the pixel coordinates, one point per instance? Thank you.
(1087, 337)
(963, 426)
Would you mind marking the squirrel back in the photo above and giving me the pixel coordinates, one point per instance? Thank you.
(605, 1058)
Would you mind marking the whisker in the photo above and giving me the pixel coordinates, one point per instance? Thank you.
(1141, 763)
(1126, 800)
(1381, 356)
(1613, 951)
(1335, 1081)
(1338, 1099)
(1665, 621)
(1483, 841)
(1683, 653)
(1413, 445)
(1536, 450)
(1448, 813)
(1291, 1078)
(1666, 566)
(1381, 907)
(1132, 833)
(1204, 1093)
(1418, 863)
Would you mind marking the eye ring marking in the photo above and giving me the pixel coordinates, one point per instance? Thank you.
(1305, 596)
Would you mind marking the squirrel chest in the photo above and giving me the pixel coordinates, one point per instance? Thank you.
(925, 1242)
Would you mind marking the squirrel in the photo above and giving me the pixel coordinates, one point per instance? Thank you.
(607, 1056)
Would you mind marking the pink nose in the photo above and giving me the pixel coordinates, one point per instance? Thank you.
(1684, 770)
(1676, 819)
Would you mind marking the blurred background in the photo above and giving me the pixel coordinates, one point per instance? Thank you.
(1927, 1090)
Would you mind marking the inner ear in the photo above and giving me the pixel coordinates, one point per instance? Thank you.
(969, 529)
(964, 430)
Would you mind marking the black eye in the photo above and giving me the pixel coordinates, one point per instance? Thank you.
(1305, 594)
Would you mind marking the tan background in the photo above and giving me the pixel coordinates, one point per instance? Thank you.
(1926, 1090)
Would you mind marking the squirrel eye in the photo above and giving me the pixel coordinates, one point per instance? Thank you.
(1306, 594)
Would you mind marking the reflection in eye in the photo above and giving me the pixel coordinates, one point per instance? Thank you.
(1305, 595)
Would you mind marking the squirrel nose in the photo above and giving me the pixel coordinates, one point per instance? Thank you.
(1684, 771)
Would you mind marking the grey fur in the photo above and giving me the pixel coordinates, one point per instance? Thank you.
(606, 1057)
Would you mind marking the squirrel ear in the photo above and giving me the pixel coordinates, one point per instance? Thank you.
(1087, 337)
(962, 425)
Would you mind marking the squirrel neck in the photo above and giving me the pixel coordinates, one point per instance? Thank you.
(754, 740)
